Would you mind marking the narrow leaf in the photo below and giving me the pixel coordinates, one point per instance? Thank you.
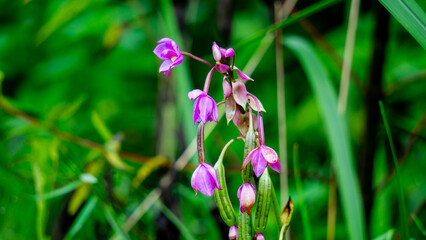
(337, 135)
(410, 15)
(82, 217)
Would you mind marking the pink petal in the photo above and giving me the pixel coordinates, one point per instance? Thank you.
(276, 166)
(213, 173)
(269, 154)
(222, 68)
(242, 76)
(166, 66)
(194, 179)
(239, 191)
(229, 52)
(194, 94)
(165, 40)
(249, 157)
(195, 112)
(216, 52)
(259, 165)
(159, 49)
(205, 108)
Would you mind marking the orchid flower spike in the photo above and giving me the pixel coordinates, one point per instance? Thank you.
(205, 108)
(205, 180)
(247, 196)
(168, 51)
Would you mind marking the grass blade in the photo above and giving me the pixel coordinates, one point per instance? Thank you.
(338, 138)
(410, 15)
(402, 211)
(82, 217)
(176, 221)
(60, 191)
(303, 209)
(109, 214)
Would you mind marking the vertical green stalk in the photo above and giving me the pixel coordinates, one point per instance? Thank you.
(282, 128)
(303, 208)
(402, 211)
(347, 59)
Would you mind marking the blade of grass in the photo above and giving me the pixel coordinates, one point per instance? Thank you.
(336, 133)
(303, 209)
(176, 221)
(314, 8)
(109, 214)
(410, 15)
(82, 217)
(402, 211)
(60, 191)
(419, 225)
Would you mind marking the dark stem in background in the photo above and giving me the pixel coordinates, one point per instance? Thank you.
(224, 19)
(374, 93)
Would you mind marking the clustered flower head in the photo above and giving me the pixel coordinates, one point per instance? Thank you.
(240, 108)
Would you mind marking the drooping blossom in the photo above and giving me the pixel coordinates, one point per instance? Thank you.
(205, 108)
(233, 233)
(205, 180)
(168, 51)
(260, 157)
(259, 236)
(247, 196)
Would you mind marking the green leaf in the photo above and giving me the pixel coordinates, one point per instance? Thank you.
(60, 191)
(82, 217)
(410, 15)
(337, 135)
(100, 126)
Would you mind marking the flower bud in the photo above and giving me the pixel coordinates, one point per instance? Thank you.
(259, 236)
(233, 233)
(247, 196)
(216, 52)
(240, 93)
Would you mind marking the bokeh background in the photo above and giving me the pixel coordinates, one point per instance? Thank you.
(89, 128)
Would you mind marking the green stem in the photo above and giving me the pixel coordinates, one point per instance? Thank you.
(276, 206)
(402, 211)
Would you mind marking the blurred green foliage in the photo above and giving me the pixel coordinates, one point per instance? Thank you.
(102, 127)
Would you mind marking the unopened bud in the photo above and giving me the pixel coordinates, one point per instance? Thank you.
(233, 233)
(259, 236)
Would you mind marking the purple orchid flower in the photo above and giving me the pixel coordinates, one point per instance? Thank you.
(205, 108)
(168, 51)
(261, 156)
(247, 196)
(205, 180)
(233, 233)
